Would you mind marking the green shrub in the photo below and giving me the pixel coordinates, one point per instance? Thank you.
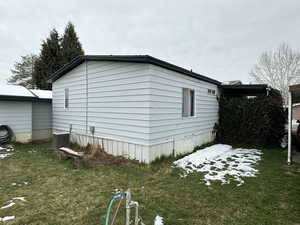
(258, 121)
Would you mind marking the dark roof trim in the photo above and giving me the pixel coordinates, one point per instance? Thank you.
(128, 58)
(295, 87)
(22, 98)
(245, 86)
(244, 89)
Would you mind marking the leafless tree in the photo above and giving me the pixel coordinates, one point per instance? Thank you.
(279, 69)
(23, 71)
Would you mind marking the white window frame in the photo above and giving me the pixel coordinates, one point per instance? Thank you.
(192, 107)
(66, 98)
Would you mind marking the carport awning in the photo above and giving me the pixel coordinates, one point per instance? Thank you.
(295, 93)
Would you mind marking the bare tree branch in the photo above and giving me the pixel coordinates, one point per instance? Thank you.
(279, 68)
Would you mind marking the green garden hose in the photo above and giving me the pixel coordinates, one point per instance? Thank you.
(110, 206)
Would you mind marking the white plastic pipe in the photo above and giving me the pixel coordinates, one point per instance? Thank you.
(289, 159)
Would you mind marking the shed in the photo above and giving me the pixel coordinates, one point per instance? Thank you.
(137, 106)
(27, 112)
(296, 111)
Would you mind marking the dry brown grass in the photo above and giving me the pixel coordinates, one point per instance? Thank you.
(97, 155)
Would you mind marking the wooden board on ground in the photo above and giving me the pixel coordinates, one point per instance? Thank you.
(67, 153)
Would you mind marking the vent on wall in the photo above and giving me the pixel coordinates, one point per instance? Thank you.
(211, 92)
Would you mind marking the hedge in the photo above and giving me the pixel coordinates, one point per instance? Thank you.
(258, 121)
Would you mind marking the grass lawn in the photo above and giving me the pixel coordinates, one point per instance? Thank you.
(58, 193)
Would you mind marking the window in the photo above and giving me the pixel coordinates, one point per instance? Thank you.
(188, 102)
(211, 92)
(66, 98)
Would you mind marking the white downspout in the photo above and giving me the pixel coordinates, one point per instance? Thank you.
(289, 159)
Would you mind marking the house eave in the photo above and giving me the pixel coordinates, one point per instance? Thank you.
(23, 98)
(128, 58)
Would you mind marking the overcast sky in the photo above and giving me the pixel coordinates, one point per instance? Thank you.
(218, 38)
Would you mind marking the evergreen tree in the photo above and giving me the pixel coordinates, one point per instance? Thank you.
(49, 61)
(71, 47)
(23, 71)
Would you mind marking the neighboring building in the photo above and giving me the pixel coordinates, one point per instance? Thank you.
(136, 106)
(27, 112)
(296, 112)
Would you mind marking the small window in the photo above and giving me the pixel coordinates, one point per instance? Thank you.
(188, 102)
(66, 98)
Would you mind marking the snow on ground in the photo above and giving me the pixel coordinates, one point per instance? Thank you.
(20, 183)
(158, 220)
(221, 163)
(20, 198)
(4, 155)
(4, 151)
(12, 202)
(8, 205)
(5, 218)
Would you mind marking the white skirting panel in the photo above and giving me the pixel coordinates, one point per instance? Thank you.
(144, 153)
(179, 147)
(115, 147)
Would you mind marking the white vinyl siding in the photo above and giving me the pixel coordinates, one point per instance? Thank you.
(116, 103)
(132, 104)
(166, 121)
(41, 116)
(75, 81)
(17, 115)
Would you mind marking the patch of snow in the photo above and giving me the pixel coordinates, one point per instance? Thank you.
(8, 205)
(15, 90)
(44, 94)
(4, 155)
(5, 218)
(158, 220)
(20, 198)
(221, 163)
(5, 149)
(12, 203)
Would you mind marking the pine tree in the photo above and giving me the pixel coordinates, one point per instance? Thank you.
(71, 47)
(23, 71)
(49, 61)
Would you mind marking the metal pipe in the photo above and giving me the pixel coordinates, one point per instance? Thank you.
(128, 200)
(87, 97)
(136, 205)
